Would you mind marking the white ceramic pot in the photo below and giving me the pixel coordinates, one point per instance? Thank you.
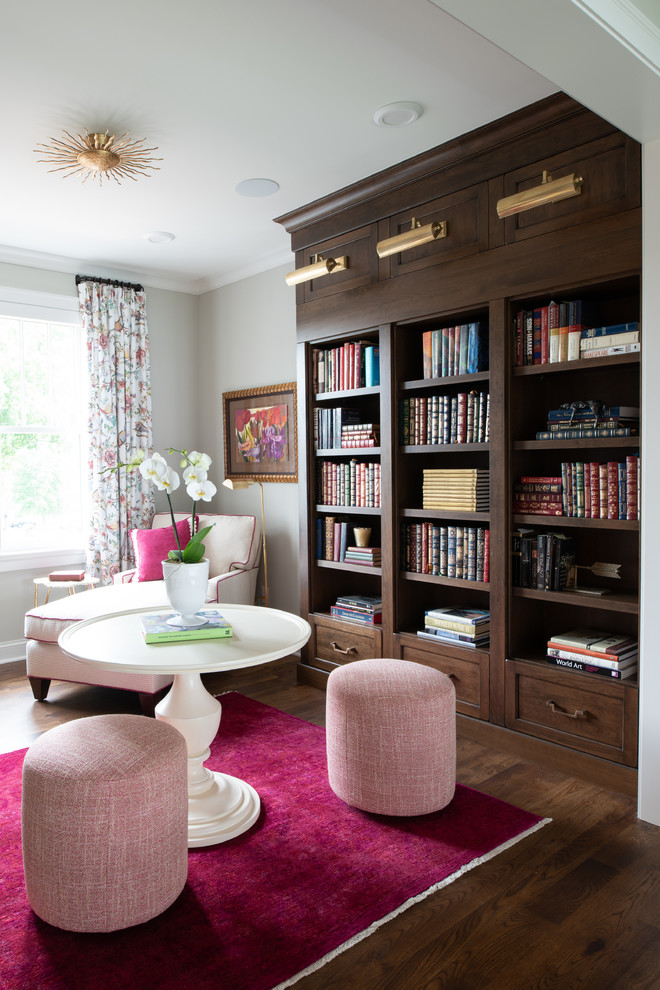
(185, 586)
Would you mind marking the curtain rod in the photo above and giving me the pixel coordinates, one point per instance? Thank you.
(110, 281)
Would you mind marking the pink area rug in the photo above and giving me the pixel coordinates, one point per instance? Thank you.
(310, 878)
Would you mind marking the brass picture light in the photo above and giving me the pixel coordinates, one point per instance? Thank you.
(321, 266)
(550, 191)
(412, 238)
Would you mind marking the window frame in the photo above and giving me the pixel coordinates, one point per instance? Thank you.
(29, 304)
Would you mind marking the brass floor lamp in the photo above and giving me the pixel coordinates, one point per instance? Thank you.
(241, 486)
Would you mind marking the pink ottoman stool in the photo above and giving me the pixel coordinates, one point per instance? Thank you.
(105, 822)
(391, 736)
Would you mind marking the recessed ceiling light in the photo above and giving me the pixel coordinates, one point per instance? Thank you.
(398, 114)
(257, 187)
(159, 237)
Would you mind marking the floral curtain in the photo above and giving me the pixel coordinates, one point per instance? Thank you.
(114, 320)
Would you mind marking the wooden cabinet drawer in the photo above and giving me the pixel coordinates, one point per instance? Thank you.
(573, 709)
(358, 246)
(610, 170)
(469, 674)
(466, 215)
(336, 642)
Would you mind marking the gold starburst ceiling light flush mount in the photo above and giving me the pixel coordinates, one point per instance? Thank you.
(99, 156)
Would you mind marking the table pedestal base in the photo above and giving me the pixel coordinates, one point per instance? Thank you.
(220, 807)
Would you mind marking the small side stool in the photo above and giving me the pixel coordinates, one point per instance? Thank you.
(391, 736)
(105, 822)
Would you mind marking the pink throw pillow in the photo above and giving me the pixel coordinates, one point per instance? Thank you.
(152, 546)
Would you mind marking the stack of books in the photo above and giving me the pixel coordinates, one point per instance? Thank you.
(608, 654)
(618, 338)
(365, 609)
(468, 627)
(367, 556)
(539, 495)
(360, 435)
(575, 424)
(462, 489)
(156, 628)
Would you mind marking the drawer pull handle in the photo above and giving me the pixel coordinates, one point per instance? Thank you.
(337, 649)
(578, 713)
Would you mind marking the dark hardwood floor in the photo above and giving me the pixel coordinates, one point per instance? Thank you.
(576, 905)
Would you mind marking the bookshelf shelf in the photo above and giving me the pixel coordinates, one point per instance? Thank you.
(575, 366)
(449, 581)
(596, 443)
(445, 514)
(441, 448)
(347, 393)
(356, 510)
(604, 603)
(434, 383)
(576, 522)
(336, 565)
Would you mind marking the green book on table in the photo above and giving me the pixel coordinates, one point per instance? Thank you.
(157, 630)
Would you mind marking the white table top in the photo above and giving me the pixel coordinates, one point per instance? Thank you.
(116, 642)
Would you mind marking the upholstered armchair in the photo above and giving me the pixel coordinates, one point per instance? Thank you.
(233, 548)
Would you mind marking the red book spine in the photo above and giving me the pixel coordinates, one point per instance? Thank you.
(612, 490)
(632, 508)
(487, 555)
(595, 489)
(545, 336)
(602, 484)
(587, 490)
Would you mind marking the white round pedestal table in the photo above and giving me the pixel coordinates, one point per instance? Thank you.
(220, 806)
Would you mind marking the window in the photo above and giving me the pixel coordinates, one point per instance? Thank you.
(43, 431)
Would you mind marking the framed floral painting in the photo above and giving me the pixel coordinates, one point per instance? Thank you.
(260, 433)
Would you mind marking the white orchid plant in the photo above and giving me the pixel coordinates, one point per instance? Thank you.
(195, 466)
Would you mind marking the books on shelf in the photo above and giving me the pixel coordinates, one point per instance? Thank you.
(594, 652)
(445, 636)
(619, 338)
(351, 365)
(156, 629)
(461, 489)
(584, 665)
(541, 560)
(350, 483)
(438, 419)
(549, 333)
(594, 643)
(597, 352)
(585, 489)
(366, 609)
(328, 424)
(457, 350)
(569, 423)
(454, 551)
(365, 556)
(468, 627)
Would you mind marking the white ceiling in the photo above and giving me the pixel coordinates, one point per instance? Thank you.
(236, 89)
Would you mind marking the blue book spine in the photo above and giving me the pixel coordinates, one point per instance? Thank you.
(371, 366)
(606, 331)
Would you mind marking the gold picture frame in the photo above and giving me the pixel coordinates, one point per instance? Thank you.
(260, 433)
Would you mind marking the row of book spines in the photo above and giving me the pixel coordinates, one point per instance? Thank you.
(331, 427)
(462, 418)
(541, 560)
(585, 489)
(353, 364)
(548, 334)
(586, 433)
(457, 350)
(332, 536)
(446, 551)
(356, 483)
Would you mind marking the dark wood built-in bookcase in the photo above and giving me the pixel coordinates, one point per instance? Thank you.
(485, 271)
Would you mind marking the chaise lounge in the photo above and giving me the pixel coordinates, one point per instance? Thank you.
(233, 548)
